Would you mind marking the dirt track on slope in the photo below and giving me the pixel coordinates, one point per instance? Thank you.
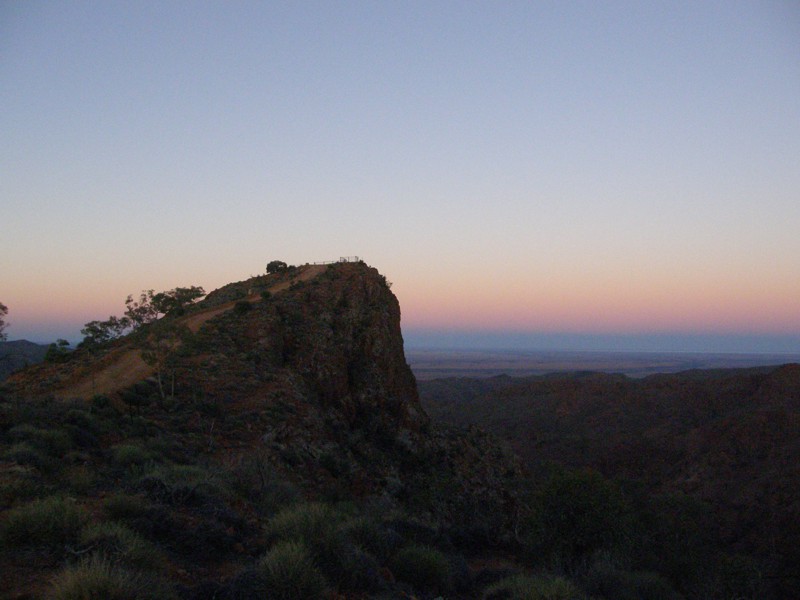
(125, 366)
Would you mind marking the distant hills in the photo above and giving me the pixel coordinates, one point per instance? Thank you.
(19, 353)
(727, 438)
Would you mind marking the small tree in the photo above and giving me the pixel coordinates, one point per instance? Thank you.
(98, 333)
(175, 301)
(57, 352)
(277, 266)
(141, 312)
(3, 324)
(151, 305)
(158, 348)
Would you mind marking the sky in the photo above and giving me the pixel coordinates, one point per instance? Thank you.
(560, 175)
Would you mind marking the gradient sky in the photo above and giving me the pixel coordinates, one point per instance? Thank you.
(554, 174)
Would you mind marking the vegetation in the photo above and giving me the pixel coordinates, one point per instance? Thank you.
(57, 352)
(3, 324)
(277, 266)
(280, 452)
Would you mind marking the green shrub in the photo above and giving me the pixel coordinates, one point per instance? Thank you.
(289, 572)
(119, 545)
(182, 485)
(130, 455)
(308, 522)
(316, 526)
(79, 479)
(525, 587)
(97, 578)
(124, 507)
(575, 515)
(55, 442)
(370, 535)
(51, 522)
(23, 453)
(242, 307)
(424, 567)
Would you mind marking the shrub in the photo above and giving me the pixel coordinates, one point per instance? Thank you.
(181, 485)
(51, 522)
(97, 578)
(289, 572)
(118, 544)
(316, 526)
(54, 442)
(424, 567)
(242, 307)
(525, 587)
(574, 516)
(124, 507)
(130, 455)
(370, 535)
(23, 453)
(79, 479)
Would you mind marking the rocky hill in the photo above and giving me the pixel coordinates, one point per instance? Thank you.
(285, 392)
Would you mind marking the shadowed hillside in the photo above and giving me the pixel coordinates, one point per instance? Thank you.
(728, 438)
(18, 354)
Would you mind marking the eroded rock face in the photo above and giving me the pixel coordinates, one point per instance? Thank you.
(334, 340)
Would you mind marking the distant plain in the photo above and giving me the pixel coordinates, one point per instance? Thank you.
(437, 363)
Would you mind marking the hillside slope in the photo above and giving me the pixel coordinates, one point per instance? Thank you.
(18, 354)
(287, 397)
(728, 438)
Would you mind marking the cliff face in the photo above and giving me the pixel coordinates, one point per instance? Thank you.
(333, 340)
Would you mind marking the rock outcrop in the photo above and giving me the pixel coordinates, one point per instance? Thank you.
(304, 370)
(333, 340)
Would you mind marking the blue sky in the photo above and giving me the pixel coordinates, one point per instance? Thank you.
(535, 170)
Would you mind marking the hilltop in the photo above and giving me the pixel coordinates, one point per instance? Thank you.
(285, 398)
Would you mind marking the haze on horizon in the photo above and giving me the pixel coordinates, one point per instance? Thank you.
(548, 175)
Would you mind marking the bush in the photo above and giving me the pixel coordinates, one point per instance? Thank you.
(289, 572)
(97, 578)
(130, 455)
(370, 535)
(242, 307)
(574, 516)
(316, 526)
(51, 522)
(525, 587)
(424, 567)
(182, 485)
(123, 507)
(23, 453)
(54, 442)
(605, 579)
(119, 545)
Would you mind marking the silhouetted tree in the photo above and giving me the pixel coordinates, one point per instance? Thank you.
(158, 348)
(151, 305)
(175, 301)
(57, 352)
(3, 324)
(276, 266)
(98, 333)
(141, 312)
